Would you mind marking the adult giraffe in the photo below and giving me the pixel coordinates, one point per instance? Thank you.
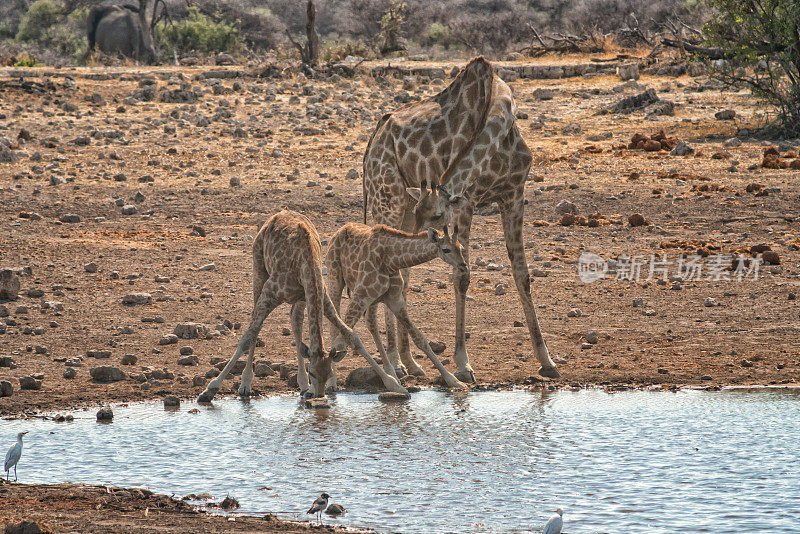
(464, 142)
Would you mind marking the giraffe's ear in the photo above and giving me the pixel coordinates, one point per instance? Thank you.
(304, 351)
(337, 355)
(414, 192)
(433, 235)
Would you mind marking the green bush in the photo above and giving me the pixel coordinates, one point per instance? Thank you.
(764, 37)
(439, 34)
(25, 60)
(200, 33)
(41, 16)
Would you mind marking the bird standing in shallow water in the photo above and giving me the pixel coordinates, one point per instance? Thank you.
(555, 523)
(319, 506)
(12, 457)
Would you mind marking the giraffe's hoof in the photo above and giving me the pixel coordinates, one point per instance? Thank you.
(549, 372)
(466, 375)
(331, 389)
(207, 396)
(419, 371)
(244, 392)
(400, 371)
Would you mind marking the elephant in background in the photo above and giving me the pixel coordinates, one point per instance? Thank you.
(121, 29)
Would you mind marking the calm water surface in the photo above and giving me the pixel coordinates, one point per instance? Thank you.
(654, 462)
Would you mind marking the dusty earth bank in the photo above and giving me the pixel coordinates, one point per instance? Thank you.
(114, 510)
(129, 199)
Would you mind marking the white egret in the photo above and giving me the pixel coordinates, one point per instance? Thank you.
(12, 457)
(319, 505)
(555, 523)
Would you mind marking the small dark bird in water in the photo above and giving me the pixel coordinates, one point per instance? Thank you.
(319, 505)
(335, 509)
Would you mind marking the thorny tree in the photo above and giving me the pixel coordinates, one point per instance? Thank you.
(763, 35)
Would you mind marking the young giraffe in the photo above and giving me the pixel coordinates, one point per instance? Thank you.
(368, 260)
(465, 144)
(287, 267)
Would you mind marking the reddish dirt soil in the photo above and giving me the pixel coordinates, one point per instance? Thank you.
(290, 143)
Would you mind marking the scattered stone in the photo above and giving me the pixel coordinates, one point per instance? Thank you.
(631, 103)
(106, 373)
(188, 360)
(663, 371)
(70, 218)
(30, 383)
(141, 298)
(316, 403)
(565, 206)
(586, 346)
(746, 363)
(90, 267)
(437, 347)
(628, 71)
(592, 338)
(9, 285)
(682, 149)
(733, 142)
(171, 401)
(706, 377)
(574, 312)
(129, 209)
(98, 354)
(391, 396)
(199, 381)
(187, 351)
(168, 339)
(6, 389)
(235, 181)
(207, 267)
(352, 174)
(543, 94)
(725, 115)
(771, 257)
(637, 219)
(709, 302)
(364, 378)
(191, 330)
(263, 369)
(70, 373)
(105, 414)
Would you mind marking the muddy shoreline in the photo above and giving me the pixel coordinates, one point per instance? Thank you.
(110, 509)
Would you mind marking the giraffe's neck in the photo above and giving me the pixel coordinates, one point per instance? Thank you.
(402, 252)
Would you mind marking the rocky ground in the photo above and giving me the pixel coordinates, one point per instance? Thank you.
(129, 199)
(39, 509)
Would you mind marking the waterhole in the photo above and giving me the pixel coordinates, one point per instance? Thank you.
(655, 462)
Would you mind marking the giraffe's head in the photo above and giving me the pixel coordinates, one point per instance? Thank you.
(434, 207)
(320, 367)
(448, 248)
